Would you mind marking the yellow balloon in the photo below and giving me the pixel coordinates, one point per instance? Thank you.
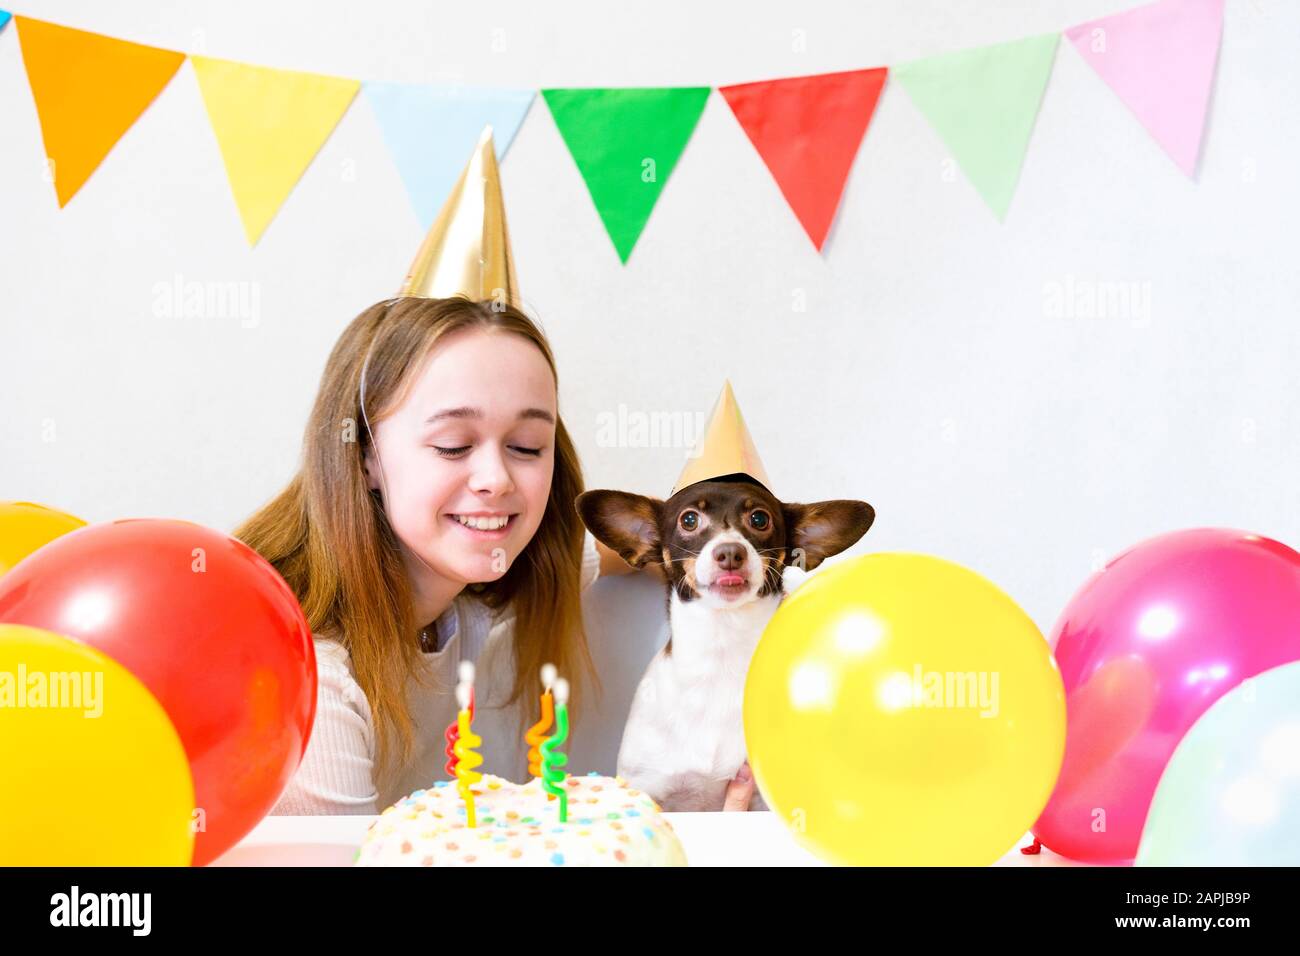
(901, 709)
(94, 772)
(25, 526)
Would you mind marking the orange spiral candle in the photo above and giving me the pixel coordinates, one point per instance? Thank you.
(537, 732)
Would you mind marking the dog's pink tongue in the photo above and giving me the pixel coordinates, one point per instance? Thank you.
(730, 580)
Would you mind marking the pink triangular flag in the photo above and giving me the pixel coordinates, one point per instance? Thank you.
(1159, 59)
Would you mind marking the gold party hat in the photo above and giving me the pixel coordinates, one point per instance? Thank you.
(724, 449)
(468, 249)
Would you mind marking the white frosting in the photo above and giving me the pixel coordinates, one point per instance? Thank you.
(609, 824)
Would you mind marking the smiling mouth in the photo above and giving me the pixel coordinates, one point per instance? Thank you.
(483, 523)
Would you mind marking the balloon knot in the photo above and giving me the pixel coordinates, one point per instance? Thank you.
(1033, 849)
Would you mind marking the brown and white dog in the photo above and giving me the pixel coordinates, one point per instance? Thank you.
(724, 545)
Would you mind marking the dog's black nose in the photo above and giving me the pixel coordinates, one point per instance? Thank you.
(730, 555)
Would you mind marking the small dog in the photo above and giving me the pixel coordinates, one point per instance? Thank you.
(723, 545)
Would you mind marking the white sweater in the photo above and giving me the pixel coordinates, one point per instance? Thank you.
(337, 773)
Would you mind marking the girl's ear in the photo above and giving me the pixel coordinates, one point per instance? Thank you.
(626, 523)
(372, 469)
(818, 530)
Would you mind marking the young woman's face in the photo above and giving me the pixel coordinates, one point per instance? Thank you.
(467, 457)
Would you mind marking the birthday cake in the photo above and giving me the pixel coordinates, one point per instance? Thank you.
(609, 824)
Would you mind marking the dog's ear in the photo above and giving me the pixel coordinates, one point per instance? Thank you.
(626, 523)
(818, 530)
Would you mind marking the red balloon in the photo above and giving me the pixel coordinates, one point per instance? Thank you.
(1145, 647)
(210, 628)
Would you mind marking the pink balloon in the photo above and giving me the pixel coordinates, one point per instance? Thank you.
(1145, 647)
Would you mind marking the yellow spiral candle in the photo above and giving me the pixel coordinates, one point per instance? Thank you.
(467, 758)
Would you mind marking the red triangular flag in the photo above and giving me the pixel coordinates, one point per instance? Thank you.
(808, 129)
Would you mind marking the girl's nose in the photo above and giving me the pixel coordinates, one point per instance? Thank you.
(491, 475)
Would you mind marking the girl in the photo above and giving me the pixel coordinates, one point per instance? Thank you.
(433, 521)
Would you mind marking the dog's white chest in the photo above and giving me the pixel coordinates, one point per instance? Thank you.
(684, 739)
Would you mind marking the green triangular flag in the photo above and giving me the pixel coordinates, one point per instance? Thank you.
(626, 143)
(982, 103)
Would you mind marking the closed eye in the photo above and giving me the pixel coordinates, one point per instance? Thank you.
(460, 450)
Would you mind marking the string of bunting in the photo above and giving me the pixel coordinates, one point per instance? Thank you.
(1159, 60)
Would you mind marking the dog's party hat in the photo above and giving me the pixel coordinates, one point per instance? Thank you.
(467, 251)
(725, 449)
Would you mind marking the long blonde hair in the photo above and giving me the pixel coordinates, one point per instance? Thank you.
(328, 536)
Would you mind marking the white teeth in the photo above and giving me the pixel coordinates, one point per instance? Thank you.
(483, 523)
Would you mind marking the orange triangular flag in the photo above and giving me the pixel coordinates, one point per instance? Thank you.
(88, 89)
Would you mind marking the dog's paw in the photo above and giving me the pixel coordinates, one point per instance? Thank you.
(792, 576)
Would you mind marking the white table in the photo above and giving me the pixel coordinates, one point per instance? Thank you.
(710, 839)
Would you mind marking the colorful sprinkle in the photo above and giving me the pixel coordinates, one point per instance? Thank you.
(517, 813)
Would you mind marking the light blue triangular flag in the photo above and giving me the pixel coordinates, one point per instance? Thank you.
(431, 132)
(4, 18)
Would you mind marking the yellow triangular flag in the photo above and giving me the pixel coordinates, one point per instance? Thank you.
(88, 89)
(724, 449)
(270, 124)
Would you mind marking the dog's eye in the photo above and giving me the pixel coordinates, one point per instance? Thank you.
(689, 520)
(760, 520)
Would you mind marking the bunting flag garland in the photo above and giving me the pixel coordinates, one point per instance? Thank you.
(982, 102)
(626, 143)
(89, 89)
(430, 130)
(807, 129)
(269, 124)
(1159, 60)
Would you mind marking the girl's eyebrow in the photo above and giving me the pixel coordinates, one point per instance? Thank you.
(467, 412)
